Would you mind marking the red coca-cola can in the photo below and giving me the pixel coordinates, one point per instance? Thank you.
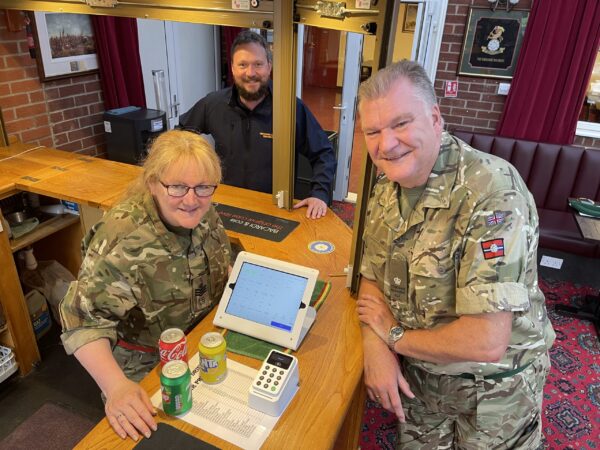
(172, 346)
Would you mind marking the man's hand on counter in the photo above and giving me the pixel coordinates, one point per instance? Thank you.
(316, 208)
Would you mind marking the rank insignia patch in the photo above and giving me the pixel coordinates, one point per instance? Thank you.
(495, 219)
(493, 248)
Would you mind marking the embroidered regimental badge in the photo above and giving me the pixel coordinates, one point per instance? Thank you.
(493, 248)
(495, 219)
(494, 45)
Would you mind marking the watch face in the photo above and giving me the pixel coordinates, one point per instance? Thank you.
(395, 334)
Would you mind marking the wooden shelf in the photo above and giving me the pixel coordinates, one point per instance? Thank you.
(43, 230)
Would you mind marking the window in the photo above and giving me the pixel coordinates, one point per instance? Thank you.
(589, 119)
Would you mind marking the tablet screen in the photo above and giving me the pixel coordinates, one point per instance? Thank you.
(267, 296)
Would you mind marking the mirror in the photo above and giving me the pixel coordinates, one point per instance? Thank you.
(275, 15)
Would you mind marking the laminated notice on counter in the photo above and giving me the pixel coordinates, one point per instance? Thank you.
(254, 223)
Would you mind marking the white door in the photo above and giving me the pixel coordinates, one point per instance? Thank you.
(347, 107)
(186, 53)
(349, 64)
(427, 39)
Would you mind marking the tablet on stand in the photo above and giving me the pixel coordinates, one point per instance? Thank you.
(268, 299)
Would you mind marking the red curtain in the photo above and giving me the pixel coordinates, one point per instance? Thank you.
(550, 81)
(228, 35)
(119, 60)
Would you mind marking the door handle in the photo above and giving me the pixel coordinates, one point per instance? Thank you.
(174, 106)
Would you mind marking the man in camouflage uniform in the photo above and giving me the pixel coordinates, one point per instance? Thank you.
(449, 279)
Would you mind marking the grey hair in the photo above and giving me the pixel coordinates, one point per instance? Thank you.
(250, 37)
(379, 85)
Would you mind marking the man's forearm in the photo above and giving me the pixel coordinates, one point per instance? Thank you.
(479, 337)
(369, 287)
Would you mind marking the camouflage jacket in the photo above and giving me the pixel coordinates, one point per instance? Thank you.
(468, 247)
(138, 278)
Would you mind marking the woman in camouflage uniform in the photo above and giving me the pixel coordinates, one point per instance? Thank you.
(159, 259)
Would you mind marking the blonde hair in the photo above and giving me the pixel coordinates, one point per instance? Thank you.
(172, 147)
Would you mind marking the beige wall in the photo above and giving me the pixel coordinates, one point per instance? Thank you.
(402, 41)
(402, 47)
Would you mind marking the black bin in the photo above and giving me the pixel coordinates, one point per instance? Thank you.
(129, 130)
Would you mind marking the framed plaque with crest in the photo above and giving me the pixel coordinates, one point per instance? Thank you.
(492, 42)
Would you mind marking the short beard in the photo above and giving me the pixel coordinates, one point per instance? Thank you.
(253, 96)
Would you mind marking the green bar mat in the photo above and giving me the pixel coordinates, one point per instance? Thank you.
(256, 348)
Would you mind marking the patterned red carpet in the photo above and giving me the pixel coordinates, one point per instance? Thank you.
(572, 394)
(344, 211)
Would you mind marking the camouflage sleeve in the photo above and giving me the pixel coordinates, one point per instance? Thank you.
(226, 245)
(372, 265)
(219, 254)
(96, 303)
(499, 238)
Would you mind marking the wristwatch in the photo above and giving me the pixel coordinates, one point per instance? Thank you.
(394, 335)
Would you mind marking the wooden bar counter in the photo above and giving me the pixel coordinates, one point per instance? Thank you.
(330, 358)
(327, 410)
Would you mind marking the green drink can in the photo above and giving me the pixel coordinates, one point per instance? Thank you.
(176, 387)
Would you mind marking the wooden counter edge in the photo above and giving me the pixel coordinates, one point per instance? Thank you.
(15, 309)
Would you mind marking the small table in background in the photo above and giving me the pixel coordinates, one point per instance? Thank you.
(589, 227)
(590, 309)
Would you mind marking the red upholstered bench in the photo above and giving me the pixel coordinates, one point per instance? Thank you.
(553, 173)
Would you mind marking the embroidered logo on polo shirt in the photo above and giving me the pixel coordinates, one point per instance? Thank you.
(495, 219)
(493, 248)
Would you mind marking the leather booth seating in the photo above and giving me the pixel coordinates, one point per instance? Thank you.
(553, 173)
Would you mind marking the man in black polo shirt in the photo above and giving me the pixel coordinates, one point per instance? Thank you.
(240, 119)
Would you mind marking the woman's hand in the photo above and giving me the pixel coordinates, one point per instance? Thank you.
(129, 410)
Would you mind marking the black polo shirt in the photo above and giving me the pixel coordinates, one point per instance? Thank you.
(244, 142)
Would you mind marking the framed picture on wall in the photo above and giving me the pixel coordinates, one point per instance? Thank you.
(65, 45)
(492, 42)
(410, 17)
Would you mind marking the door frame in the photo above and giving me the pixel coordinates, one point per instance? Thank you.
(426, 50)
(352, 68)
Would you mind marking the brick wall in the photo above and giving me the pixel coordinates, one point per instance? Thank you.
(477, 107)
(67, 113)
(64, 114)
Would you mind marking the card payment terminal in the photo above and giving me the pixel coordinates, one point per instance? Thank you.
(275, 384)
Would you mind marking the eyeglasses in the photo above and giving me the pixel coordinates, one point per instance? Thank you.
(180, 190)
